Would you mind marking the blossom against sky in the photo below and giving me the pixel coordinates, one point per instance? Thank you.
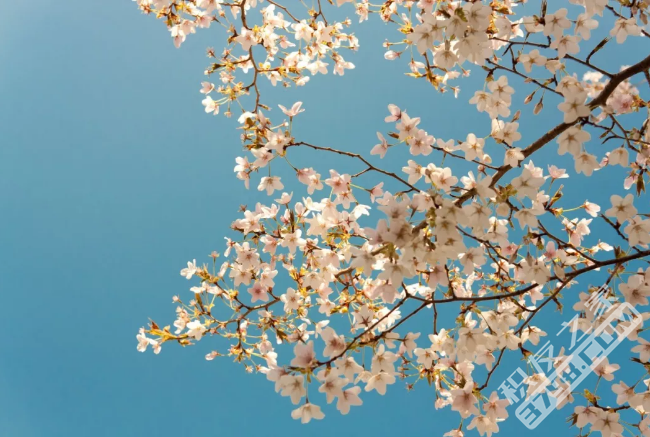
(112, 177)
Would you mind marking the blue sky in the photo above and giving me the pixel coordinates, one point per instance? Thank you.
(112, 177)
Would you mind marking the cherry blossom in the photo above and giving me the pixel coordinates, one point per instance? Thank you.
(307, 412)
(321, 287)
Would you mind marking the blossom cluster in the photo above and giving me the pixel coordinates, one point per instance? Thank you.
(319, 291)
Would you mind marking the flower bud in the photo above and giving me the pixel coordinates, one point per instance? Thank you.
(391, 55)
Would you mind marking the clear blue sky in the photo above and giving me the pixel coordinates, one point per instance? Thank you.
(112, 177)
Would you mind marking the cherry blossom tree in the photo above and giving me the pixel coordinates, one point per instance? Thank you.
(495, 246)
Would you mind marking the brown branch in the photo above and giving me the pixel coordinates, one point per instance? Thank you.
(616, 80)
(356, 156)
